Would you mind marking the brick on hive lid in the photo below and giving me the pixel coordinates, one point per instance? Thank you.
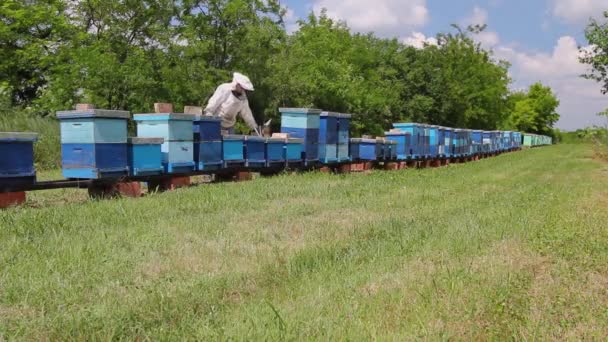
(280, 135)
(163, 107)
(84, 106)
(367, 137)
(395, 130)
(193, 110)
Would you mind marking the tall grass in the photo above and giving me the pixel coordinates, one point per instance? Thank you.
(47, 151)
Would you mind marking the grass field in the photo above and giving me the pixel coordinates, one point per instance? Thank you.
(510, 247)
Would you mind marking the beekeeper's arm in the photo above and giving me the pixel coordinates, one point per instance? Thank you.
(220, 96)
(247, 116)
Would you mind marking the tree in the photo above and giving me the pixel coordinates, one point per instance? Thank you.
(533, 111)
(596, 55)
(31, 32)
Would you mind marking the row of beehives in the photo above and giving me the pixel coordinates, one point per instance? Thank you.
(95, 144)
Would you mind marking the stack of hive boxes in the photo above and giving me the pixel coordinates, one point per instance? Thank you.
(208, 153)
(403, 142)
(417, 136)
(343, 137)
(176, 130)
(303, 123)
(94, 143)
(328, 137)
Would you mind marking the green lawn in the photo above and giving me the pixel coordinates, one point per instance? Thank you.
(510, 247)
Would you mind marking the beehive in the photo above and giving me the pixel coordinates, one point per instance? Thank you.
(177, 131)
(344, 123)
(17, 158)
(328, 137)
(402, 140)
(94, 143)
(303, 123)
(255, 151)
(145, 156)
(276, 151)
(234, 150)
(363, 149)
(417, 138)
(294, 150)
(207, 135)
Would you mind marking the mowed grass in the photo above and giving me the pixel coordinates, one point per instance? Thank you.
(514, 247)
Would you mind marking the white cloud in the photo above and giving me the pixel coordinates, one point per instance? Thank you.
(581, 99)
(384, 17)
(578, 11)
(418, 40)
(291, 21)
(478, 17)
(487, 38)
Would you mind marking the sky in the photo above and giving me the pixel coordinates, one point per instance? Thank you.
(540, 38)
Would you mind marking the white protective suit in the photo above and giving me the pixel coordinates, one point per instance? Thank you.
(226, 104)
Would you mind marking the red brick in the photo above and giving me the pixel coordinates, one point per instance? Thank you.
(169, 184)
(193, 110)
(325, 169)
(391, 166)
(163, 108)
(129, 189)
(9, 199)
(84, 106)
(243, 176)
(344, 168)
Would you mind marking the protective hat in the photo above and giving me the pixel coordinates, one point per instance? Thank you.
(243, 81)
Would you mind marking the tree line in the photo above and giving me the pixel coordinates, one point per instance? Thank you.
(128, 54)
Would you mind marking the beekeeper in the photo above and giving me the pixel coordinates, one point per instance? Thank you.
(230, 100)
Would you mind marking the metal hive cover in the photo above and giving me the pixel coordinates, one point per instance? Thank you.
(93, 113)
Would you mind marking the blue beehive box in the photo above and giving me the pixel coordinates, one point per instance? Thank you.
(276, 151)
(145, 156)
(417, 136)
(506, 141)
(17, 158)
(440, 141)
(208, 155)
(207, 128)
(303, 123)
(94, 143)
(487, 142)
(328, 137)
(448, 136)
(477, 141)
(169, 126)
(255, 151)
(402, 140)
(392, 147)
(343, 153)
(177, 131)
(363, 149)
(328, 129)
(234, 150)
(94, 161)
(94, 126)
(294, 151)
(458, 143)
(433, 141)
